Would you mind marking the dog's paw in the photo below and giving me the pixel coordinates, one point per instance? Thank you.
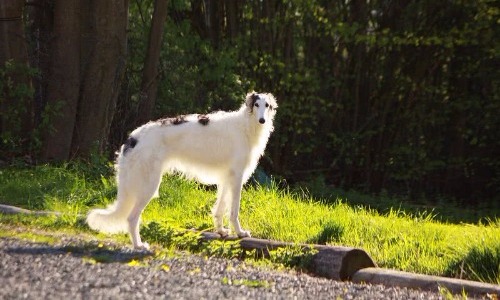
(223, 232)
(244, 234)
(142, 246)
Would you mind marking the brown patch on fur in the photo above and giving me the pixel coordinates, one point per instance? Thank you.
(203, 120)
(251, 101)
(255, 97)
(129, 144)
(173, 121)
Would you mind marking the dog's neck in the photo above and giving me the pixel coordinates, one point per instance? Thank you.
(255, 130)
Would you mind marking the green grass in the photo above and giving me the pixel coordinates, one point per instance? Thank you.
(396, 238)
(443, 209)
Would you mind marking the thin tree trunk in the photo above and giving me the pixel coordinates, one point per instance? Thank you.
(231, 9)
(103, 69)
(64, 80)
(40, 15)
(149, 84)
(216, 17)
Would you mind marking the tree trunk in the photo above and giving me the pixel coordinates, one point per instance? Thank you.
(232, 16)
(149, 84)
(216, 16)
(40, 16)
(64, 80)
(16, 109)
(103, 66)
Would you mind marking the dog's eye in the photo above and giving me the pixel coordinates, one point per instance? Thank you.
(256, 104)
(267, 105)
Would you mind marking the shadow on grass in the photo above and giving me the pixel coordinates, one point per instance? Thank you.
(482, 263)
(92, 252)
(330, 233)
(439, 209)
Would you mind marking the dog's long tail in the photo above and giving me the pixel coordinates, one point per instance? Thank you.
(112, 219)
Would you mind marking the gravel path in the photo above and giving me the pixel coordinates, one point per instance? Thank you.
(69, 270)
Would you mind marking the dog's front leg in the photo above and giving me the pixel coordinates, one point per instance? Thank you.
(235, 209)
(219, 210)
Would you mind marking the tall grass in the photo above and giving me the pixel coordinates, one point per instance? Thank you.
(395, 239)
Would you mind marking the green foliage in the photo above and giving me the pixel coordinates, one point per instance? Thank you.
(253, 283)
(446, 294)
(297, 257)
(16, 107)
(182, 239)
(195, 77)
(170, 237)
(227, 249)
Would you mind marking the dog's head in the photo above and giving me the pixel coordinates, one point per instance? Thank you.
(262, 106)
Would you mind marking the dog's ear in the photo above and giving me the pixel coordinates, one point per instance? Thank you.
(250, 100)
(273, 104)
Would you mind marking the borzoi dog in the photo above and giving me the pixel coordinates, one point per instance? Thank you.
(221, 148)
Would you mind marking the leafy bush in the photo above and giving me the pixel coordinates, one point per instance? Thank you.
(16, 111)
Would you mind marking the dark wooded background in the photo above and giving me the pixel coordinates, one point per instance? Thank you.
(398, 96)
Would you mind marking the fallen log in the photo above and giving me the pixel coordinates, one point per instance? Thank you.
(334, 262)
(389, 277)
(8, 209)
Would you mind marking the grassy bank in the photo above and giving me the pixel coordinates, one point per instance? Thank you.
(396, 238)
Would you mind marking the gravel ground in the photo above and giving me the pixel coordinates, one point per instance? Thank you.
(68, 270)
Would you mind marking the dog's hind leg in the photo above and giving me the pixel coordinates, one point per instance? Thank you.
(147, 190)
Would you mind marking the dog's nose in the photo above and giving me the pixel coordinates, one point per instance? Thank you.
(262, 121)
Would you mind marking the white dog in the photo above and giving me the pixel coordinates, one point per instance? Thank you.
(221, 148)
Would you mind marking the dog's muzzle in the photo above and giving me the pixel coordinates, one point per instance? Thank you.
(262, 121)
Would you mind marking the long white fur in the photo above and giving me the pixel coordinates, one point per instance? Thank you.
(224, 152)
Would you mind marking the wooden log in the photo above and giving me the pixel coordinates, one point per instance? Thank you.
(7, 209)
(340, 263)
(333, 262)
(10, 210)
(423, 282)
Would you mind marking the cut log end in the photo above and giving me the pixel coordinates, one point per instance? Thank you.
(333, 262)
(340, 263)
